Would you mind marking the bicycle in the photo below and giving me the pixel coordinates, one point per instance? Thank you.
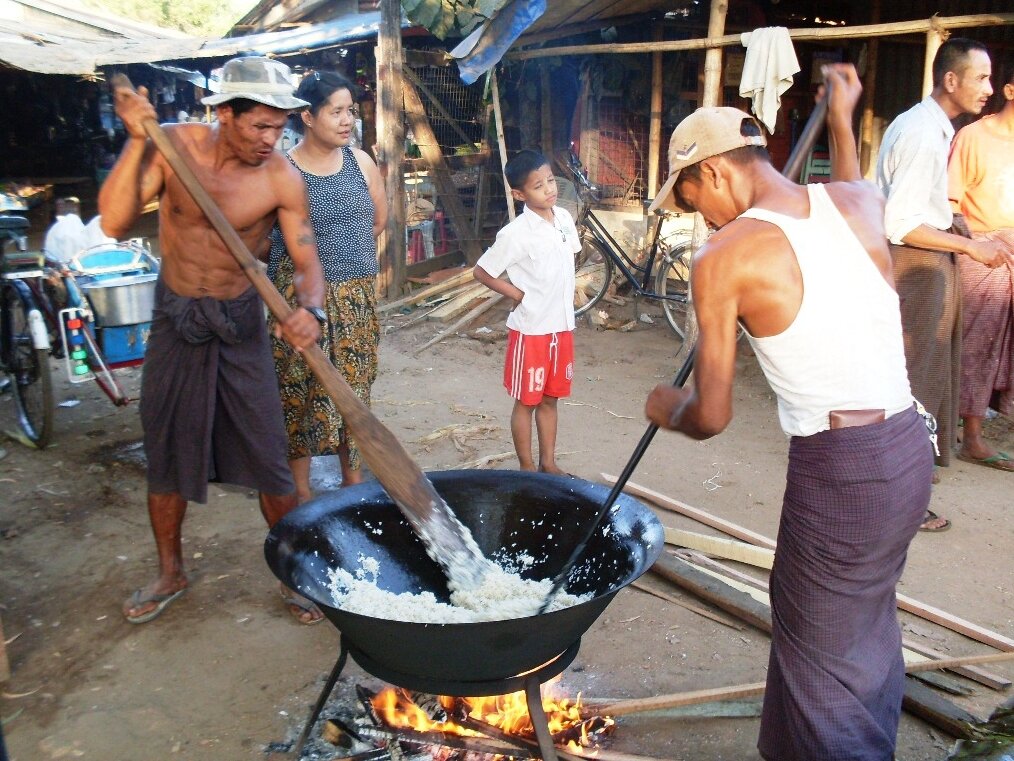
(601, 255)
(24, 339)
(93, 334)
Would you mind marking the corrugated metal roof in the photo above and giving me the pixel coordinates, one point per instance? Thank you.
(43, 51)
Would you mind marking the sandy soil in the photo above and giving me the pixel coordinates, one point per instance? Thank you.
(226, 670)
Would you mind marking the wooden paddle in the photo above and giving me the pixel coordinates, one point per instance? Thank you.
(447, 541)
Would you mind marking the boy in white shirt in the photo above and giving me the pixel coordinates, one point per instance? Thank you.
(536, 251)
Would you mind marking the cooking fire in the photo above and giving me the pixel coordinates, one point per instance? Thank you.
(408, 726)
(569, 725)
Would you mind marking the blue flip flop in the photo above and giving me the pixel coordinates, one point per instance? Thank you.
(140, 597)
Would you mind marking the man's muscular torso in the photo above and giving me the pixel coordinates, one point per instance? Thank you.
(195, 261)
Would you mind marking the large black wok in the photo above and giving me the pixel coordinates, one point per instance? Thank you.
(510, 511)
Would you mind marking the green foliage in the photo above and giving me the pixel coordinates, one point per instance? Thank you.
(450, 18)
(201, 18)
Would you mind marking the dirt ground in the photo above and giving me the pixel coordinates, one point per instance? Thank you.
(226, 671)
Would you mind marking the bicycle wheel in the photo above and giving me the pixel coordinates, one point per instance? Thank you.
(28, 370)
(673, 280)
(593, 271)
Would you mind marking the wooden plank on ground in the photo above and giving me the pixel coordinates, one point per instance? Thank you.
(693, 608)
(483, 307)
(975, 673)
(730, 549)
(694, 580)
(701, 516)
(914, 660)
(937, 710)
(906, 603)
(736, 692)
(413, 298)
(460, 303)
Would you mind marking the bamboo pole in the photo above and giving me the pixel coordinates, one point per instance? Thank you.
(391, 244)
(713, 58)
(920, 26)
(655, 117)
(503, 146)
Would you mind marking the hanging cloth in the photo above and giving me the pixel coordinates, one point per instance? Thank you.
(767, 71)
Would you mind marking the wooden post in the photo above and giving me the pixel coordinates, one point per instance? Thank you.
(391, 135)
(500, 142)
(713, 58)
(546, 109)
(934, 39)
(866, 156)
(430, 149)
(479, 210)
(655, 117)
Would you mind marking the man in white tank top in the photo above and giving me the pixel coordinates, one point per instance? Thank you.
(788, 263)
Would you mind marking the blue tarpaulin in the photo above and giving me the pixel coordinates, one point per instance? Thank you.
(483, 48)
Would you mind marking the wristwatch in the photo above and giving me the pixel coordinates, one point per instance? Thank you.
(319, 314)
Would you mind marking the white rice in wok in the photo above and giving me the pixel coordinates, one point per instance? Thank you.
(502, 595)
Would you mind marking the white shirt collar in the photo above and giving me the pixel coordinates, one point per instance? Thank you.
(930, 103)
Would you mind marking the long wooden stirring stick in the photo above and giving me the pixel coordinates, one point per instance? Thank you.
(447, 541)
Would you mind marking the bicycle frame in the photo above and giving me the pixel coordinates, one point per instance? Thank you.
(626, 265)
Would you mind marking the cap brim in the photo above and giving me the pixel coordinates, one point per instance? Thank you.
(283, 102)
(666, 198)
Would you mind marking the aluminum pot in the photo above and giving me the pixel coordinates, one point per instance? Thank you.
(509, 512)
(125, 300)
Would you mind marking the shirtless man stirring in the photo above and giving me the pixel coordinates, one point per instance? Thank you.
(209, 398)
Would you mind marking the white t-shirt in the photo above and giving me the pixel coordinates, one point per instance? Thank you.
(538, 257)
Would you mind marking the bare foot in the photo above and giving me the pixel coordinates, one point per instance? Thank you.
(554, 469)
(301, 609)
(934, 522)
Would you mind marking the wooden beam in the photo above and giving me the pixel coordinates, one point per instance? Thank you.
(802, 35)
(502, 144)
(954, 623)
(718, 593)
(934, 709)
(461, 278)
(688, 606)
(737, 692)
(976, 674)
(713, 58)
(655, 114)
(869, 97)
(482, 308)
(391, 136)
(698, 515)
(546, 110)
(906, 603)
(730, 549)
(694, 697)
(449, 198)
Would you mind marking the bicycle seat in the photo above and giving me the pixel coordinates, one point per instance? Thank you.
(13, 226)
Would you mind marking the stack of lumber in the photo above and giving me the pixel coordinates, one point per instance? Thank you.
(699, 570)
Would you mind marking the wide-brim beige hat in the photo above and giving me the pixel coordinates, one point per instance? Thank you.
(256, 78)
(705, 133)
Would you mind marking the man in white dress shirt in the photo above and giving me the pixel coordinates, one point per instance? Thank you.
(912, 173)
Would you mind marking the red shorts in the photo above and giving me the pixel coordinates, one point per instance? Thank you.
(538, 366)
